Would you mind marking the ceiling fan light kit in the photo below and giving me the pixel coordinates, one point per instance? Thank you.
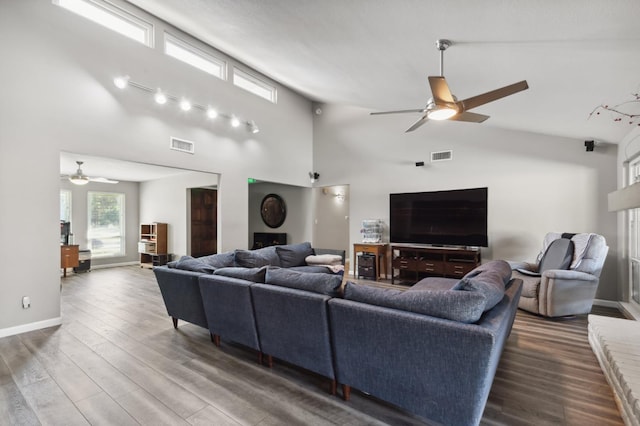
(79, 178)
(445, 106)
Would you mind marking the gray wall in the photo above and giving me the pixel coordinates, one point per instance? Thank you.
(537, 183)
(59, 96)
(79, 217)
(297, 224)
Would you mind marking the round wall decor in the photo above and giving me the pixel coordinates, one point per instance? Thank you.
(273, 210)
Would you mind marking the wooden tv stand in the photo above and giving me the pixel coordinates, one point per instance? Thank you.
(414, 262)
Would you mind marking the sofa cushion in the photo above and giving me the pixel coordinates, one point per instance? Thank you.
(257, 258)
(220, 260)
(323, 259)
(255, 275)
(462, 306)
(189, 263)
(327, 284)
(293, 254)
(489, 280)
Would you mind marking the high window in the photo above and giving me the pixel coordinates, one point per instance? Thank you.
(106, 224)
(194, 56)
(634, 236)
(65, 205)
(112, 17)
(254, 85)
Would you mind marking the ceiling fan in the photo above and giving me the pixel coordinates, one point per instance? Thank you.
(443, 105)
(79, 178)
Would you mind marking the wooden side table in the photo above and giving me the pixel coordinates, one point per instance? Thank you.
(69, 257)
(379, 250)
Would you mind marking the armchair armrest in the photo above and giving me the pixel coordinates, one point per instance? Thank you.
(533, 267)
(566, 292)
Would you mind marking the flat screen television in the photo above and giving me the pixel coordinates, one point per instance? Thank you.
(455, 218)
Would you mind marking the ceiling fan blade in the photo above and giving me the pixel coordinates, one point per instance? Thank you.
(417, 124)
(471, 117)
(440, 90)
(103, 180)
(400, 111)
(493, 95)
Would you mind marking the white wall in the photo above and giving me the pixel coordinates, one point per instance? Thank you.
(331, 218)
(537, 183)
(297, 224)
(79, 217)
(58, 96)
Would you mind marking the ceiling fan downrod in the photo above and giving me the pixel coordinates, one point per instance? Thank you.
(442, 45)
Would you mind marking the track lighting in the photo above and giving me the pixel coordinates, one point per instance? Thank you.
(253, 128)
(162, 98)
(212, 113)
(185, 105)
(121, 82)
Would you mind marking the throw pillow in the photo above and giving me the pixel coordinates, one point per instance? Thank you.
(459, 306)
(488, 279)
(327, 284)
(323, 259)
(255, 275)
(189, 263)
(293, 254)
(220, 260)
(257, 258)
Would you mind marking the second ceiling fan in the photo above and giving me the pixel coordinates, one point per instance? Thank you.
(443, 105)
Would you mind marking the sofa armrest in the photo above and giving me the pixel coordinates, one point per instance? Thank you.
(181, 294)
(566, 292)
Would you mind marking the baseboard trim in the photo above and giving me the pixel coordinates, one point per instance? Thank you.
(607, 303)
(32, 326)
(115, 265)
(630, 310)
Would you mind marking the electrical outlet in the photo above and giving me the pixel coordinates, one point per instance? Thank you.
(26, 302)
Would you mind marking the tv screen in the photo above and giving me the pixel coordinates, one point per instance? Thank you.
(457, 217)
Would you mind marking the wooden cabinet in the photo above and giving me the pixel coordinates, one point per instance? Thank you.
(69, 257)
(152, 245)
(411, 263)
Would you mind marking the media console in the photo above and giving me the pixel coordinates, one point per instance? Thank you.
(411, 263)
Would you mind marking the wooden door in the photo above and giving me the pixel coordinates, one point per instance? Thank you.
(204, 221)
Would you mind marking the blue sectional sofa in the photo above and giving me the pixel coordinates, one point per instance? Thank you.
(432, 349)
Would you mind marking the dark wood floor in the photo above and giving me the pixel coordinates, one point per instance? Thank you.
(117, 360)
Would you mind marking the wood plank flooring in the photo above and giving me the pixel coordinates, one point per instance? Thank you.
(116, 359)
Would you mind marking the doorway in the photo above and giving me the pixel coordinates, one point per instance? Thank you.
(204, 221)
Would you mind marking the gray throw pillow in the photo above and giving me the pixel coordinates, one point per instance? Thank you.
(294, 254)
(220, 260)
(327, 284)
(189, 263)
(266, 256)
(255, 275)
(488, 279)
(462, 306)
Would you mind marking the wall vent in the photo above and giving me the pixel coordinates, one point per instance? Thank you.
(441, 156)
(182, 145)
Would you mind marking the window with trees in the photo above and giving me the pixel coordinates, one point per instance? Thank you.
(106, 224)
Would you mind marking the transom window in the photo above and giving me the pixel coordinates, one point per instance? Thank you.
(194, 56)
(106, 224)
(112, 17)
(254, 85)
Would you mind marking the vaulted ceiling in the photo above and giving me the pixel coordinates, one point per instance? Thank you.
(377, 54)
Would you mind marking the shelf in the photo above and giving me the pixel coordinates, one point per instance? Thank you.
(414, 262)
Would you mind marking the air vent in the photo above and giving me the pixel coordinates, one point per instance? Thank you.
(441, 156)
(182, 145)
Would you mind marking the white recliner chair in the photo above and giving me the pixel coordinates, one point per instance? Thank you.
(562, 292)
